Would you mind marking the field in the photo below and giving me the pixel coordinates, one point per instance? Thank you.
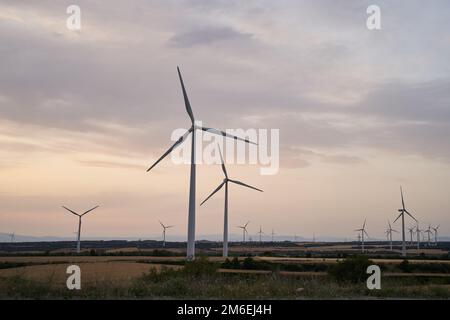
(282, 272)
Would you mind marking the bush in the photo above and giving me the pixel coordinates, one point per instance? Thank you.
(405, 266)
(352, 269)
(200, 267)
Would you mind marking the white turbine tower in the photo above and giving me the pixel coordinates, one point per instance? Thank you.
(272, 234)
(12, 236)
(244, 230)
(402, 215)
(225, 182)
(164, 232)
(194, 127)
(389, 233)
(436, 234)
(363, 231)
(79, 223)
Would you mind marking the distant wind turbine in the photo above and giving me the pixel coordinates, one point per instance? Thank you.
(244, 230)
(260, 232)
(389, 233)
(418, 231)
(225, 182)
(12, 236)
(194, 127)
(363, 232)
(411, 233)
(402, 215)
(79, 223)
(164, 232)
(428, 232)
(272, 234)
(436, 234)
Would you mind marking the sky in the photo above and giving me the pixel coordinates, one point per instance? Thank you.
(360, 112)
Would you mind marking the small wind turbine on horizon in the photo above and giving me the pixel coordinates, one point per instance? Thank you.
(260, 232)
(225, 182)
(428, 232)
(164, 232)
(389, 233)
(418, 231)
(194, 127)
(79, 223)
(436, 234)
(272, 234)
(361, 236)
(402, 215)
(411, 235)
(244, 230)
(12, 236)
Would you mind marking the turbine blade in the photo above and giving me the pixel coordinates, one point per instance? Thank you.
(403, 201)
(176, 144)
(217, 189)
(161, 224)
(223, 163)
(411, 215)
(71, 211)
(90, 210)
(364, 225)
(245, 185)
(398, 216)
(186, 99)
(169, 227)
(222, 133)
(245, 226)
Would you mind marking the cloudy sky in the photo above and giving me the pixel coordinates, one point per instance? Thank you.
(84, 113)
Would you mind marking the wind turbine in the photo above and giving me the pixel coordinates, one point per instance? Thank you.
(260, 232)
(244, 230)
(12, 236)
(411, 232)
(272, 234)
(436, 234)
(418, 237)
(402, 214)
(194, 127)
(225, 182)
(389, 233)
(79, 223)
(428, 232)
(164, 232)
(363, 231)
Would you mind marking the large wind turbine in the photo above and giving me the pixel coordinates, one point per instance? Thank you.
(389, 233)
(164, 232)
(244, 230)
(363, 231)
(436, 234)
(192, 129)
(225, 182)
(79, 223)
(402, 214)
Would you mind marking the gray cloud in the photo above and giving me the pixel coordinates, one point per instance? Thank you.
(206, 36)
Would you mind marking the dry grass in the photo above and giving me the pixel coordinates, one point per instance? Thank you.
(120, 273)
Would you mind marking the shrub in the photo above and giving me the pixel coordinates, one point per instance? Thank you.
(352, 269)
(405, 266)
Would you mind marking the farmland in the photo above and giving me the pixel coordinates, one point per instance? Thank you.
(290, 272)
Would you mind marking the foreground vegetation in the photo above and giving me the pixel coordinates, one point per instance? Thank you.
(200, 280)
